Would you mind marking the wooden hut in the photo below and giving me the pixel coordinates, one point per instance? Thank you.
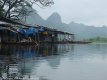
(63, 37)
(47, 34)
(38, 34)
(8, 35)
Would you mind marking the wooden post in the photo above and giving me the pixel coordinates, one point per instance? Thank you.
(68, 38)
(0, 37)
(64, 37)
(18, 37)
(72, 37)
(59, 37)
(38, 37)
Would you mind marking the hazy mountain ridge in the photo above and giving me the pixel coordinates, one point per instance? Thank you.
(83, 31)
(54, 21)
(34, 18)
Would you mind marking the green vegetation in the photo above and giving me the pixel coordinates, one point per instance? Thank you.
(98, 40)
(20, 8)
(1, 12)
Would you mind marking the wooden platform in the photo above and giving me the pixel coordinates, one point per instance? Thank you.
(57, 42)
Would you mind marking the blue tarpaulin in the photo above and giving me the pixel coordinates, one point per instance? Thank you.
(22, 31)
(28, 32)
(42, 29)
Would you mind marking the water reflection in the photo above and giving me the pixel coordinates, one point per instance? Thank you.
(18, 62)
(54, 62)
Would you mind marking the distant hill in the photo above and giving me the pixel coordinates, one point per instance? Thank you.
(98, 40)
(81, 31)
(35, 18)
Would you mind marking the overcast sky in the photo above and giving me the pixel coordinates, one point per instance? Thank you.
(89, 12)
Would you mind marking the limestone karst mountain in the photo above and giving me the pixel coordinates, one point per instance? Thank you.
(54, 21)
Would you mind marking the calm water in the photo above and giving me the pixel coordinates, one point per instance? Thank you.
(54, 62)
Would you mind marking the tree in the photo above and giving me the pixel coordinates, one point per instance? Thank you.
(1, 12)
(16, 8)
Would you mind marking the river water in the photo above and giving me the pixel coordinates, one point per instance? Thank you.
(54, 62)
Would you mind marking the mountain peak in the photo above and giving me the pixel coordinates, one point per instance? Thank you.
(55, 14)
(54, 17)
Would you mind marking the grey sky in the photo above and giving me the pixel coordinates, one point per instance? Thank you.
(89, 12)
